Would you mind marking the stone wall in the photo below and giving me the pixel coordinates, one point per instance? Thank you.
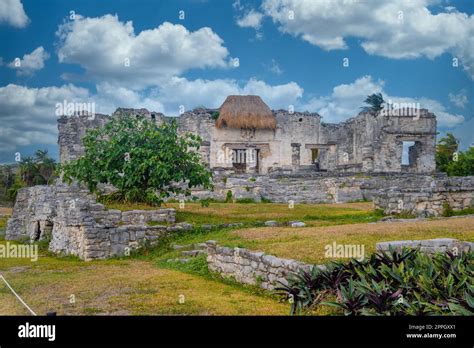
(251, 267)
(267, 271)
(429, 246)
(431, 200)
(365, 143)
(78, 225)
(281, 187)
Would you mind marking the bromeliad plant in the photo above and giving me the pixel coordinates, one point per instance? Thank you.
(404, 282)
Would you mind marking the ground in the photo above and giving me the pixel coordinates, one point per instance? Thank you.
(147, 284)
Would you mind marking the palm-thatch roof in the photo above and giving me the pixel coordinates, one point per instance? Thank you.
(245, 111)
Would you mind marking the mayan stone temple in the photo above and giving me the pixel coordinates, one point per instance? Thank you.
(254, 153)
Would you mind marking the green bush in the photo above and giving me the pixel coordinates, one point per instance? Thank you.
(229, 197)
(388, 283)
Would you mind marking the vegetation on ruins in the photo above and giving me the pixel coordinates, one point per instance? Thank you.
(374, 103)
(145, 162)
(452, 161)
(392, 282)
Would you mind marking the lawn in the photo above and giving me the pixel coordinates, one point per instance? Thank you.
(307, 243)
(147, 284)
(124, 287)
(251, 213)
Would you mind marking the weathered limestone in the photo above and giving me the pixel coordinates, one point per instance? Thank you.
(250, 267)
(457, 193)
(429, 246)
(300, 141)
(77, 225)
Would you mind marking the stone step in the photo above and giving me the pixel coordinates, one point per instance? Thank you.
(179, 260)
(193, 253)
(195, 246)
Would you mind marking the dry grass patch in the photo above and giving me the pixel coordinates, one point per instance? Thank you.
(117, 287)
(307, 244)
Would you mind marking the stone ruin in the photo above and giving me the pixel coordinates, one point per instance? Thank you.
(77, 225)
(254, 153)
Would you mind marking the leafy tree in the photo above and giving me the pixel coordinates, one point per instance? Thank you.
(375, 103)
(445, 149)
(143, 161)
(37, 170)
(463, 165)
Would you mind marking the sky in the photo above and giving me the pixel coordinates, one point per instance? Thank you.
(321, 56)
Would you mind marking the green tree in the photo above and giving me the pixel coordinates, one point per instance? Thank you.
(37, 170)
(143, 161)
(445, 150)
(375, 103)
(463, 165)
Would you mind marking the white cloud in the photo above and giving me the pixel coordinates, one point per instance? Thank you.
(460, 99)
(212, 93)
(30, 62)
(396, 29)
(12, 13)
(28, 114)
(274, 67)
(104, 46)
(251, 19)
(346, 100)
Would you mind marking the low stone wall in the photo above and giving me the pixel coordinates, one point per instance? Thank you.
(251, 267)
(316, 187)
(455, 192)
(429, 246)
(78, 225)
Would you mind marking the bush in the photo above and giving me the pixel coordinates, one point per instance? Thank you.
(229, 197)
(388, 283)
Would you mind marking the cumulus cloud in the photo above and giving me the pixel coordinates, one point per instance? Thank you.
(397, 29)
(28, 114)
(30, 63)
(460, 99)
(346, 99)
(251, 19)
(13, 13)
(110, 50)
(212, 93)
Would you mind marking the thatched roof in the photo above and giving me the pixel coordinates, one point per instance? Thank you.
(245, 111)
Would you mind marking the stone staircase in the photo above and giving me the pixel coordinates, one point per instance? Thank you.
(189, 251)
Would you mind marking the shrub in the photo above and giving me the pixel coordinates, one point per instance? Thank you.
(229, 196)
(388, 283)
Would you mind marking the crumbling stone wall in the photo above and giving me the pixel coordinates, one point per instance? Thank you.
(80, 226)
(251, 267)
(365, 143)
(429, 246)
(456, 193)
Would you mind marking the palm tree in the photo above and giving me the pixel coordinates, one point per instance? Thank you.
(375, 102)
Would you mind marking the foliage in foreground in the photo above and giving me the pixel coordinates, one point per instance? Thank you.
(388, 283)
(143, 161)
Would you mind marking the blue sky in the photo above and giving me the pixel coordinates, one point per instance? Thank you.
(403, 49)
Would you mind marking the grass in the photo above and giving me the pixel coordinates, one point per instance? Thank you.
(123, 287)
(146, 284)
(308, 243)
